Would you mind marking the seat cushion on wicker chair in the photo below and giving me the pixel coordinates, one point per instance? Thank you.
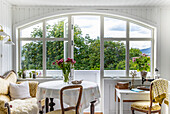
(144, 105)
(27, 106)
(5, 98)
(3, 112)
(60, 112)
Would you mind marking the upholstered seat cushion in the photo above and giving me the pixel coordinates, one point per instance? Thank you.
(60, 112)
(27, 106)
(144, 105)
(3, 100)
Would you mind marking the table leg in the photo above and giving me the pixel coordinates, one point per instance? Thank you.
(51, 104)
(117, 107)
(92, 107)
(47, 105)
(121, 105)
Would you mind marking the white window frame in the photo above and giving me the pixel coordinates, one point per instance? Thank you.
(102, 39)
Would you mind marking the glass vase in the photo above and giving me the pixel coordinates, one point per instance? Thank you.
(144, 74)
(132, 83)
(66, 78)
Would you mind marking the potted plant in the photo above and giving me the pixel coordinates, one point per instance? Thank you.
(66, 67)
(21, 73)
(30, 74)
(34, 74)
(142, 64)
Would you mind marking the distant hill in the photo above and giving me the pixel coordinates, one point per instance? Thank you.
(147, 51)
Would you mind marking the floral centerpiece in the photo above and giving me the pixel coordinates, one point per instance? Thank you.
(142, 64)
(66, 67)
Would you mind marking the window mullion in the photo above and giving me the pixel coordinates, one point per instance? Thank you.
(19, 48)
(70, 41)
(69, 36)
(101, 47)
(127, 49)
(44, 49)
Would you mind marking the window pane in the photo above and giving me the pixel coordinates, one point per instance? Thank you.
(35, 31)
(114, 58)
(114, 28)
(137, 31)
(87, 42)
(89, 26)
(31, 57)
(57, 28)
(55, 51)
(137, 49)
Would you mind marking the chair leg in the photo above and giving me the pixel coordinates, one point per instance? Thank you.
(149, 112)
(133, 112)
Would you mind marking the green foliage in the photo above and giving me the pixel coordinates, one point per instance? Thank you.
(37, 32)
(114, 52)
(56, 30)
(86, 51)
(143, 63)
(32, 55)
(55, 51)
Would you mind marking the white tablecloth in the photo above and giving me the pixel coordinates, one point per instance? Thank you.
(52, 89)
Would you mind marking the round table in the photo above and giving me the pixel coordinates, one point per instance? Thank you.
(51, 89)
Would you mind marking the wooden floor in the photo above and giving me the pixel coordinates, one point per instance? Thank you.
(94, 113)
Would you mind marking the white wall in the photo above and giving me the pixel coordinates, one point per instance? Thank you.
(5, 50)
(165, 42)
(23, 14)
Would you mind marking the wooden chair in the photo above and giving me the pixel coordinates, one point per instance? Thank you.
(72, 109)
(147, 107)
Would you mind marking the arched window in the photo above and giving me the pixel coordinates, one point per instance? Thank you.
(100, 43)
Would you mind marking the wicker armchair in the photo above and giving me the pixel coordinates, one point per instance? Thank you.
(26, 106)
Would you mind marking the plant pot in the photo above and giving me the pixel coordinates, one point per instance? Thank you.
(20, 75)
(23, 75)
(34, 75)
(144, 74)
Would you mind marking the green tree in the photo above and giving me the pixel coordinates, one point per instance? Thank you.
(86, 51)
(32, 56)
(114, 52)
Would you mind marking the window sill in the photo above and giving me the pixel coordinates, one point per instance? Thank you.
(38, 79)
(124, 78)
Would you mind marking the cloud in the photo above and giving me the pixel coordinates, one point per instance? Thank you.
(86, 26)
(140, 44)
(117, 28)
(139, 29)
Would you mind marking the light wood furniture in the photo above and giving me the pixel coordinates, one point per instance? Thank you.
(72, 109)
(125, 94)
(146, 109)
